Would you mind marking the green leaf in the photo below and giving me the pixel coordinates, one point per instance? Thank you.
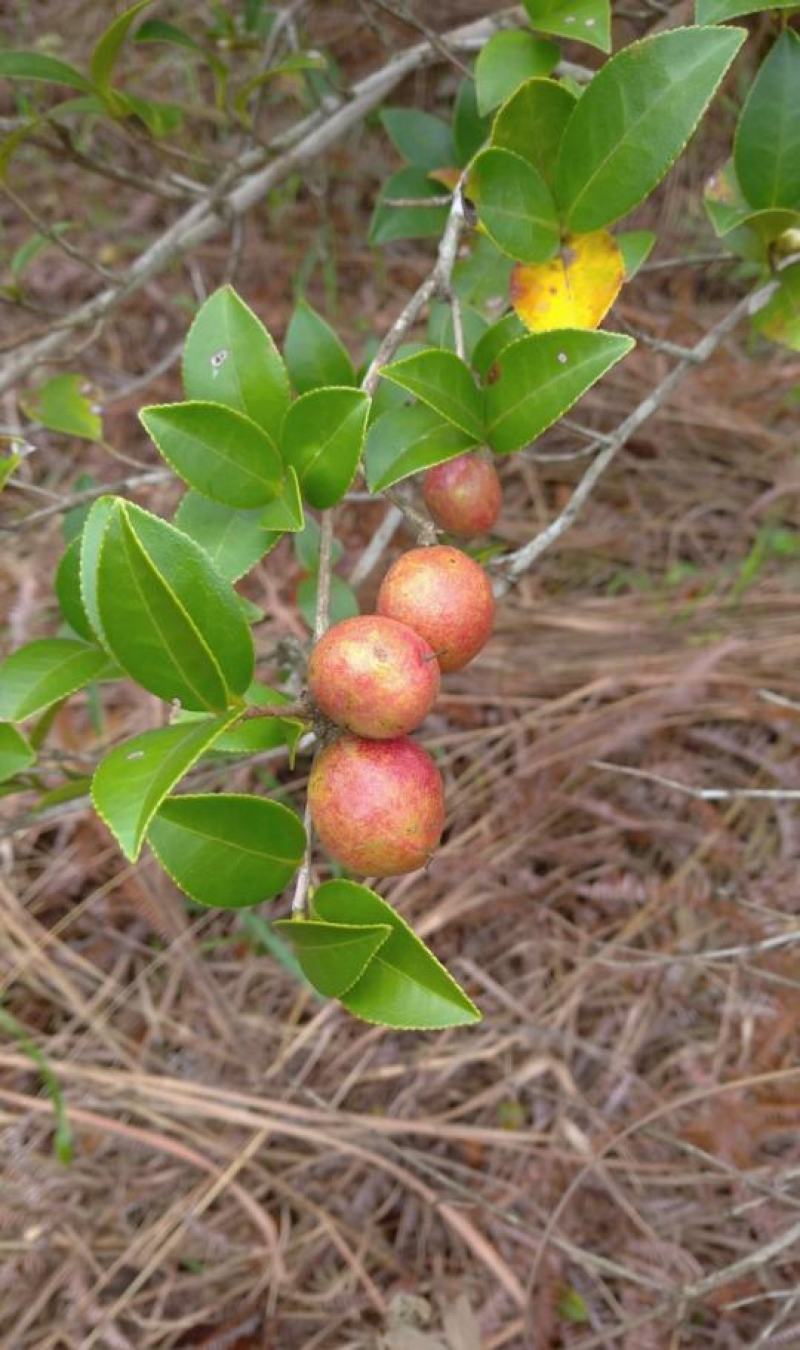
(405, 441)
(322, 439)
(728, 210)
(779, 320)
(403, 985)
(470, 129)
(15, 752)
(254, 734)
(508, 59)
(443, 381)
(45, 671)
(158, 30)
(343, 601)
(130, 784)
(571, 1306)
(292, 65)
(634, 120)
(95, 525)
(583, 20)
(36, 66)
(60, 406)
(73, 520)
(262, 733)
(22, 258)
(286, 512)
(161, 119)
(540, 377)
(230, 358)
(68, 791)
(227, 849)
(407, 222)
(484, 275)
(717, 11)
(314, 354)
(106, 52)
(532, 121)
(515, 205)
(332, 956)
(217, 451)
(167, 616)
(422, 139)
(68, 591)
(8, 463)
(234, 540)
(261, 938)
(495, 339)
(767, 145)
(635, 247)
(440, 328)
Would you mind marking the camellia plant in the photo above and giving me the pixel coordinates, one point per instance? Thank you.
(540, 160)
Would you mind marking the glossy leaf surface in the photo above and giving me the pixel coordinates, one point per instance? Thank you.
(230, 358)
(634, 119)
(132, 781)
(217, 451)
(227, 849)
(540, 377)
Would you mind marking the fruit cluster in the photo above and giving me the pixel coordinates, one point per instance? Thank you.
(376, 798)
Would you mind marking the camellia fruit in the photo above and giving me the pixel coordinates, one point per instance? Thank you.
(463, 495)
(445, 597)
(377, 806)
(373, 676)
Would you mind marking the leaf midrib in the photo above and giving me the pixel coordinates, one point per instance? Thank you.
(226, 460)
(554, 382)
(241, 848)
(73, 658)
(130, 535)
(667, 93)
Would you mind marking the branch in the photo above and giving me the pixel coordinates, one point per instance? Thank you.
(513, 565)
(223, 202)
(437, 282)
(321, 622)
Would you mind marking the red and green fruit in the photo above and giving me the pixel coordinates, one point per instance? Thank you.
(444, 596)
(377, 806)
(463, 495)
(373, 676)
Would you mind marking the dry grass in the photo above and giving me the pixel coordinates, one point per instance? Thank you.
(619, 1135)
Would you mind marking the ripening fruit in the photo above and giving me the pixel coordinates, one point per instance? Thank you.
(463, 495)
(445, 597)
(377, 806)
(373, 676)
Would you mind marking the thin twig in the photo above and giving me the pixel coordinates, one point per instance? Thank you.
(377, 546)
(322, 618)
(690, 260)
(308, 139)
(437, 282)
(438, 43)
(701, 794)
(133, 480)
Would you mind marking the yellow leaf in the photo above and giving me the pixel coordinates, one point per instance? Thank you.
(576, 289)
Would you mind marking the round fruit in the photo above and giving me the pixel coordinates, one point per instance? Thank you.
(463, 495)
(445, 597)
(373, 676)
(377, 806)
